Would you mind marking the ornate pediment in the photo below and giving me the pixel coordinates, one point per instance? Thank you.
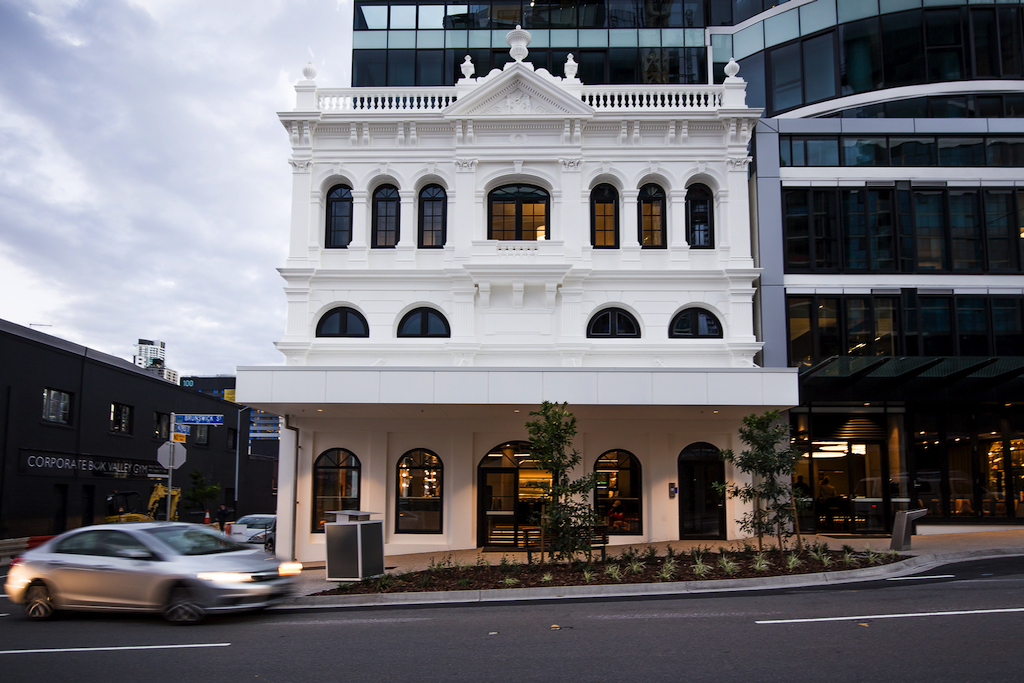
(518, 91)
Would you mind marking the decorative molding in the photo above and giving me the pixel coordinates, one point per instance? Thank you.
(465, 165)
(518, 163)
(518, 290)
(573, 165)
(301, 165)
(738, 163)
(517, 139)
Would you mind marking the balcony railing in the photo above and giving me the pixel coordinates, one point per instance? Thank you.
(385, 99)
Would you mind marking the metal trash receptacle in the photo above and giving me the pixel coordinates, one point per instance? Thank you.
(903, 527)
(355, 545)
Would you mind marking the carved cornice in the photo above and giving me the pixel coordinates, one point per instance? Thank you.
(301, 165)
(572, 164)
(738, 163)
(465, 165)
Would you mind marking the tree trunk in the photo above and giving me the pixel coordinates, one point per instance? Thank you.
(757, 522)
(796, 523)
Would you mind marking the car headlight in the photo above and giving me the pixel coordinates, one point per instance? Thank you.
(258, 538)
(289, 569)
(225, 577)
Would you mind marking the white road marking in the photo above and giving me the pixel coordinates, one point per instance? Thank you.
(915, 578)
(110, 649)
(893, 616)
(341, 621)
(677, 615)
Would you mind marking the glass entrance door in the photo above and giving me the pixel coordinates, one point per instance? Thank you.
(511, 493)
(498, 507)
(852, 490)
(701, 507)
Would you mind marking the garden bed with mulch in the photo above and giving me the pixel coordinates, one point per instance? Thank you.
(630, 566)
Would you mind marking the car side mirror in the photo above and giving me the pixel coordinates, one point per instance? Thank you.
(135, 554)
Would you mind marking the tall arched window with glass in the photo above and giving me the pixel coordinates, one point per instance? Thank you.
(604, 217)
(336, 476)
(651, 207)
(339, 217)
(518, 212)
(618, 496)
(385, 217)
(433, 210)
(700, 209)
(418, 500)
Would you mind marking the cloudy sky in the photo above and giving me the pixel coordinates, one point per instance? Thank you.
(144, 184)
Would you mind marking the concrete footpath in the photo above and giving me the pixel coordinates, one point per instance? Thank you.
(927, 551)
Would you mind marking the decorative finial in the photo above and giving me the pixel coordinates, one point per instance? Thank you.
(309, 71)
(518, 40)
(468, 69)
(732, 68)
(571, 67)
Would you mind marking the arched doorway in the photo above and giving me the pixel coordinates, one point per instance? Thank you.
(511, 490)
(701, 507)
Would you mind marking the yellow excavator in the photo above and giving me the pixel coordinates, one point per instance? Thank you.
(126, 506)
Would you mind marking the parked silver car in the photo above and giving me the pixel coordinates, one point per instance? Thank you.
(181, 570)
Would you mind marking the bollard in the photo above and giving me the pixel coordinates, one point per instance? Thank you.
(903, 528)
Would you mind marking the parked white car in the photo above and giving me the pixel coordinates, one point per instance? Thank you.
(252, 529)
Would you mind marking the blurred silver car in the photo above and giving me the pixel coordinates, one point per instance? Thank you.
(181, 570)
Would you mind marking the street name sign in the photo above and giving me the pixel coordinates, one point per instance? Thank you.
(197, 419)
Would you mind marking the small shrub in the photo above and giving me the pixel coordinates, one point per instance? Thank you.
(826, 561)
(892, 555)
(383, 582)
(698, 553)
(510, 581)
(464, 581)
(850, 560)
(425, 581)
(481, 562)
(700, 568)
(588, 574)
(815, 553)
(873, 557)
(848, 549)
(727, 565)
(761, 563)
(613, 571)
(628, 555)
(650, 555)
(670, 553)
(793, 561)
(508, 565)
(546, 577)
(668, 570)
(636, 565)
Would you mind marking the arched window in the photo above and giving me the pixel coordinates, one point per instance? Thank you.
(335, 485)
(385, 217)
(512, 491)
(339, 217)
(651, 208)
(424, 322)
(613, 322)
(433, 217)
(518, 212)
(617, 497)
(604, 217)
(342, 322)
(700, 217)
(420, 478)
(694, 322)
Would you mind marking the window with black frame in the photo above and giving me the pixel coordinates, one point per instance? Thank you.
(424, 322)
(700, 217)
(120, 418)
(342, 322)
(618, 496)
(419, 493)
(433, 217)
(56, 406)
(336, 479)
(604, 217)
(338, 233)
(386, 203)
(652, 216)
(518, 212)
(613, 322)
(695, 323)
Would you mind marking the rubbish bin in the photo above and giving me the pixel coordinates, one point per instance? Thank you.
(903, 527)
(355, 546)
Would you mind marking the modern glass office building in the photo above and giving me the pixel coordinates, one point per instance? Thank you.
(888, 208)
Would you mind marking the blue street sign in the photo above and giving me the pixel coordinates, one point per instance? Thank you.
(182, 429)
(199, 419)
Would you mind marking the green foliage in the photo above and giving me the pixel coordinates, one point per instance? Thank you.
(636, 565)
(793, 561)
(200, 493)
(668, 570)
(509, 581)
(614, 571)
(383, 582)
(850, 560)
(770, 461)
(670, 552)
(546, 577)
(728, 566)
(700, 568)
(568, 513)
(464, 581)
(588, 574)
(761, 563)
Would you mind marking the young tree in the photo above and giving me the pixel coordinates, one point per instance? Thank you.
(770, 461)
(200, 492)
(568, 513)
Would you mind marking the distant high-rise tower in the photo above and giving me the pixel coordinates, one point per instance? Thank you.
(152, 355)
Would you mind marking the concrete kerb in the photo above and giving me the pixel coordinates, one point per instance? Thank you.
(902, 568)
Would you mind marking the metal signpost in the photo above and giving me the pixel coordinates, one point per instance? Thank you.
(172, 454)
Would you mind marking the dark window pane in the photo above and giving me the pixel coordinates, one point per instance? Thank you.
(401, 67)
(797, 226)
(430, 67)
(785, 77)
(822, 152)
(826, 230)
(819, 68)
(699, 217)
(412, 325)
(856, 229)
(912, 151)
(999, 229)
(801, 347)
(880, 230)
(752, 69)
(988, 107)
(743, 9)
(601, 325)
(550, 14)
(972, 326)
(949, 107)
(435, 324)
(506, 14)
(625, 326)
(369, 68)
(1010, 41)
(865, 152)
(929, 220)
(945, 54)
(860, 56)
(356, 325)
(592, 14)
(622, 66)
(830, 339)
(936, 327)
(1008, 326)
(914, 108)
(1005, 151)
(623, 14)
(961, 151)
(965, 230)
(903, 47)
(986, 43)
(591, 70)
(858, 327)
(885, 327)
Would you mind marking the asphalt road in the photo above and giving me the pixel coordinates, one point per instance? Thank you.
(959, 622)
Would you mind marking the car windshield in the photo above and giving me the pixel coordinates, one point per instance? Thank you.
(256, 522)
(195, 541)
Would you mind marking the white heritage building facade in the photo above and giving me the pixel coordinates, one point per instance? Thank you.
(458, 255)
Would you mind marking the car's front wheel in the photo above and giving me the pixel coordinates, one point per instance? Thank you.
(268, 545)
(38, 604)
(183, 607)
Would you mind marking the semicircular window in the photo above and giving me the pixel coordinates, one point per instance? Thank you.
(424, 322)
(342, 322)
(613, 322)
(695, 323)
